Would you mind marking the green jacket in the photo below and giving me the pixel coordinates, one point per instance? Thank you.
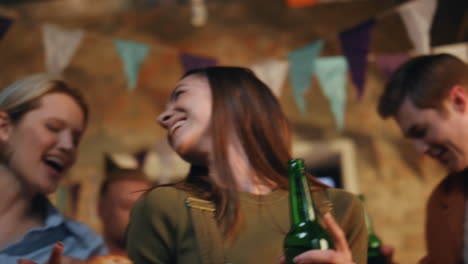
(161, 228)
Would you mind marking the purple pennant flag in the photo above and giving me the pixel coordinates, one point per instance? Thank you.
(355, 45)
(191, 62)
(388, 63)
(4, 25)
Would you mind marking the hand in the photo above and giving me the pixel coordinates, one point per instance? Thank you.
(340, 255)
(55, 257)
(388, 251)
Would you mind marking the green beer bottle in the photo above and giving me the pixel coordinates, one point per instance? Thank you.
(305, 233)
(374, 256)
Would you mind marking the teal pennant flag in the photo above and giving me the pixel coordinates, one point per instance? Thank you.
(132, 55)
(302, 68)
(332, 75)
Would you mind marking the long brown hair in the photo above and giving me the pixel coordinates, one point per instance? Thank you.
(243, 104)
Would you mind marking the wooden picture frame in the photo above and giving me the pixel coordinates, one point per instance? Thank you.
(336, 157)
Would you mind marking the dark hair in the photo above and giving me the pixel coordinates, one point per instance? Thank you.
(425, 80)
(137, 176)
(243, 104)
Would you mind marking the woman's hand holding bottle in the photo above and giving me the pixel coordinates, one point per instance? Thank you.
(340, 255)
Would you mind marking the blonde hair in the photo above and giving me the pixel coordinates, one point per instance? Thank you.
(24, 95)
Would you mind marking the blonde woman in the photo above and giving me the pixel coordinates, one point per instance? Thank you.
(42, 120)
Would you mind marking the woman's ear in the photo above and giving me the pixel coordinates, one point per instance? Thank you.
(458, 98)
(5, 126)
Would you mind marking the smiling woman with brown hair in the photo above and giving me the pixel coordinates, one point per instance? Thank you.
(42, 120)
(233, 207)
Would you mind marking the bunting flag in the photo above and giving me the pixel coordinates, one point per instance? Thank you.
(301, 3)
(175, 168)
(331, 73)
(132, 55)
(149, 163)
(272, 72)
(417, 16)
(302, 68)
(199, 13)
(388, 63)
(459, 50)
(191, 62)
(355, 45)
(60, 46)
(5, 24)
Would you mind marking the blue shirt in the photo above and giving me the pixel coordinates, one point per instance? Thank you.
(79, 240)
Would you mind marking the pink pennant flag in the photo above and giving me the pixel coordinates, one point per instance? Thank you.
(355, 46)
(388, 63)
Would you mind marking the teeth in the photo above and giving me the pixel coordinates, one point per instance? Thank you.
(56, 161)
(176, 125)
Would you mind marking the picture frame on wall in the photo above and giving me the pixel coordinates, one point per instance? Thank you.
(333, 161)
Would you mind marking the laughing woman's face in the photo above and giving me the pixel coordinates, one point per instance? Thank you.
(43, 144)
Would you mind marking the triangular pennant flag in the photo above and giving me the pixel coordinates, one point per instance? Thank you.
(5, 24)
(132, 55)
(60, 46)
(199, 12)
(272, 72)
(417, 16)
(191, 62)
(355, 45)
(302, 68)
(459, 50)
(331, 73)
(301, 3)
(388, 63)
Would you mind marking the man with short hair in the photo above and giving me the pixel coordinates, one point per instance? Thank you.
(428, 98)
(119, 191)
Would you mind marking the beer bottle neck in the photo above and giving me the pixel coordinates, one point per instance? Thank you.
(302, 206)
(370, 228)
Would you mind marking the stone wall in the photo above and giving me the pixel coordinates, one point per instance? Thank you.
(394, 179)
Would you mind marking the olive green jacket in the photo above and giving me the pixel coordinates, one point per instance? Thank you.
(161, 228)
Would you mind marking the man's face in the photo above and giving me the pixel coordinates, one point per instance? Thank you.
(438, 135)
(115, 206)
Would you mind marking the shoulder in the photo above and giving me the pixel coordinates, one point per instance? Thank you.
(452, 182)
(453, 185)
(342, 199)
(161, 197)
(346, 206)
(160, 202)
(83, 242)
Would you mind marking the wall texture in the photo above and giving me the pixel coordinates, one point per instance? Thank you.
(394, 179)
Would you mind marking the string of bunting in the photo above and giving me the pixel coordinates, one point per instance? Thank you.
(302, 63)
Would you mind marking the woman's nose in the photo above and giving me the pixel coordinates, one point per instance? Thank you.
(66, 142)
(164, 118)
